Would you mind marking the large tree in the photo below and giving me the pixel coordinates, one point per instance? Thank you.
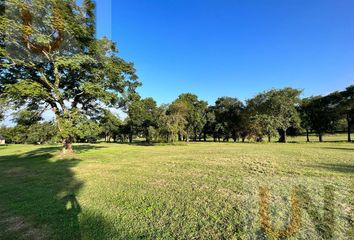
(50, 58)
(281, 107)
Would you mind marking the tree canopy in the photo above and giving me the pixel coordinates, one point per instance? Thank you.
(50, 58)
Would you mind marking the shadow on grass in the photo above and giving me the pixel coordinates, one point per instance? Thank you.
(38, 197)
(339, 148)
(341, 168)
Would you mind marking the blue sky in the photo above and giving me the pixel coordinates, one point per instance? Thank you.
(231, 47)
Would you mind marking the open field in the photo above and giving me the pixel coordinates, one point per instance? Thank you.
(185, 191)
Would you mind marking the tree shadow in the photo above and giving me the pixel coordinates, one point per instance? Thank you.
(38, 196)
(339, 148)
(342, 168)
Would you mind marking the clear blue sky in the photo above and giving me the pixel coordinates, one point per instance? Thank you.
(231, 47)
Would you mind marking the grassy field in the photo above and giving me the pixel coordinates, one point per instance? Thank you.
(186, 191)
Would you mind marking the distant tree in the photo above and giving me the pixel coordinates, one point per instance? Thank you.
(321, 116)
(59, 63)
(110, 124)
(125, 131)
(228, 113)
(245, 124)
(305, 116)
(143, 115)
(264, 125)
(195, 114)
(344, 102)
(280, 105)
(87, 130)
(179, 110)
(210, 124)
(41, 132)
(170, 124)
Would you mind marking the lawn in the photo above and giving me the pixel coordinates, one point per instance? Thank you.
(185, 191)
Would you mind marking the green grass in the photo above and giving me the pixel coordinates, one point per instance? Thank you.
(185, 191)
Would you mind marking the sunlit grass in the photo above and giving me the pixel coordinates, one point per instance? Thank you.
(189, 191)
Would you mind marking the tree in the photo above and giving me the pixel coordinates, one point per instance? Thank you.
(87, 130)
(170, 124)
(110, 124)
(142, 114)
(245, 124)
(305, 116)
(195, 111)
(179, 110)
(228, 113)
(280, 105)
(320, 115)
(263, 124)
(210, 124)
(58, 63)
(345, 104)
(41, 132)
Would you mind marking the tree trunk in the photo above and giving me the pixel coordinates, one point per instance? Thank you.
(307, 135)
(349, 127)
(269, 138)
(130, 138)
(243, 139)
(282, 138)
(320, 137)
(147, 136)
(67, 147)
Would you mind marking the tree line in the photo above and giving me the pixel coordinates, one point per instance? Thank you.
(274, 113)
(59, 65)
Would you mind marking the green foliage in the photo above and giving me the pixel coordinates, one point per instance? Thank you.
(143, 116)
(263, 125)
(36, 133)
(171, 123)
(41, 132)
(281, 107)
(27, 117)
(194, 111)
(319, 115)
(110, 125)
(228, 113)
(77, 76)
